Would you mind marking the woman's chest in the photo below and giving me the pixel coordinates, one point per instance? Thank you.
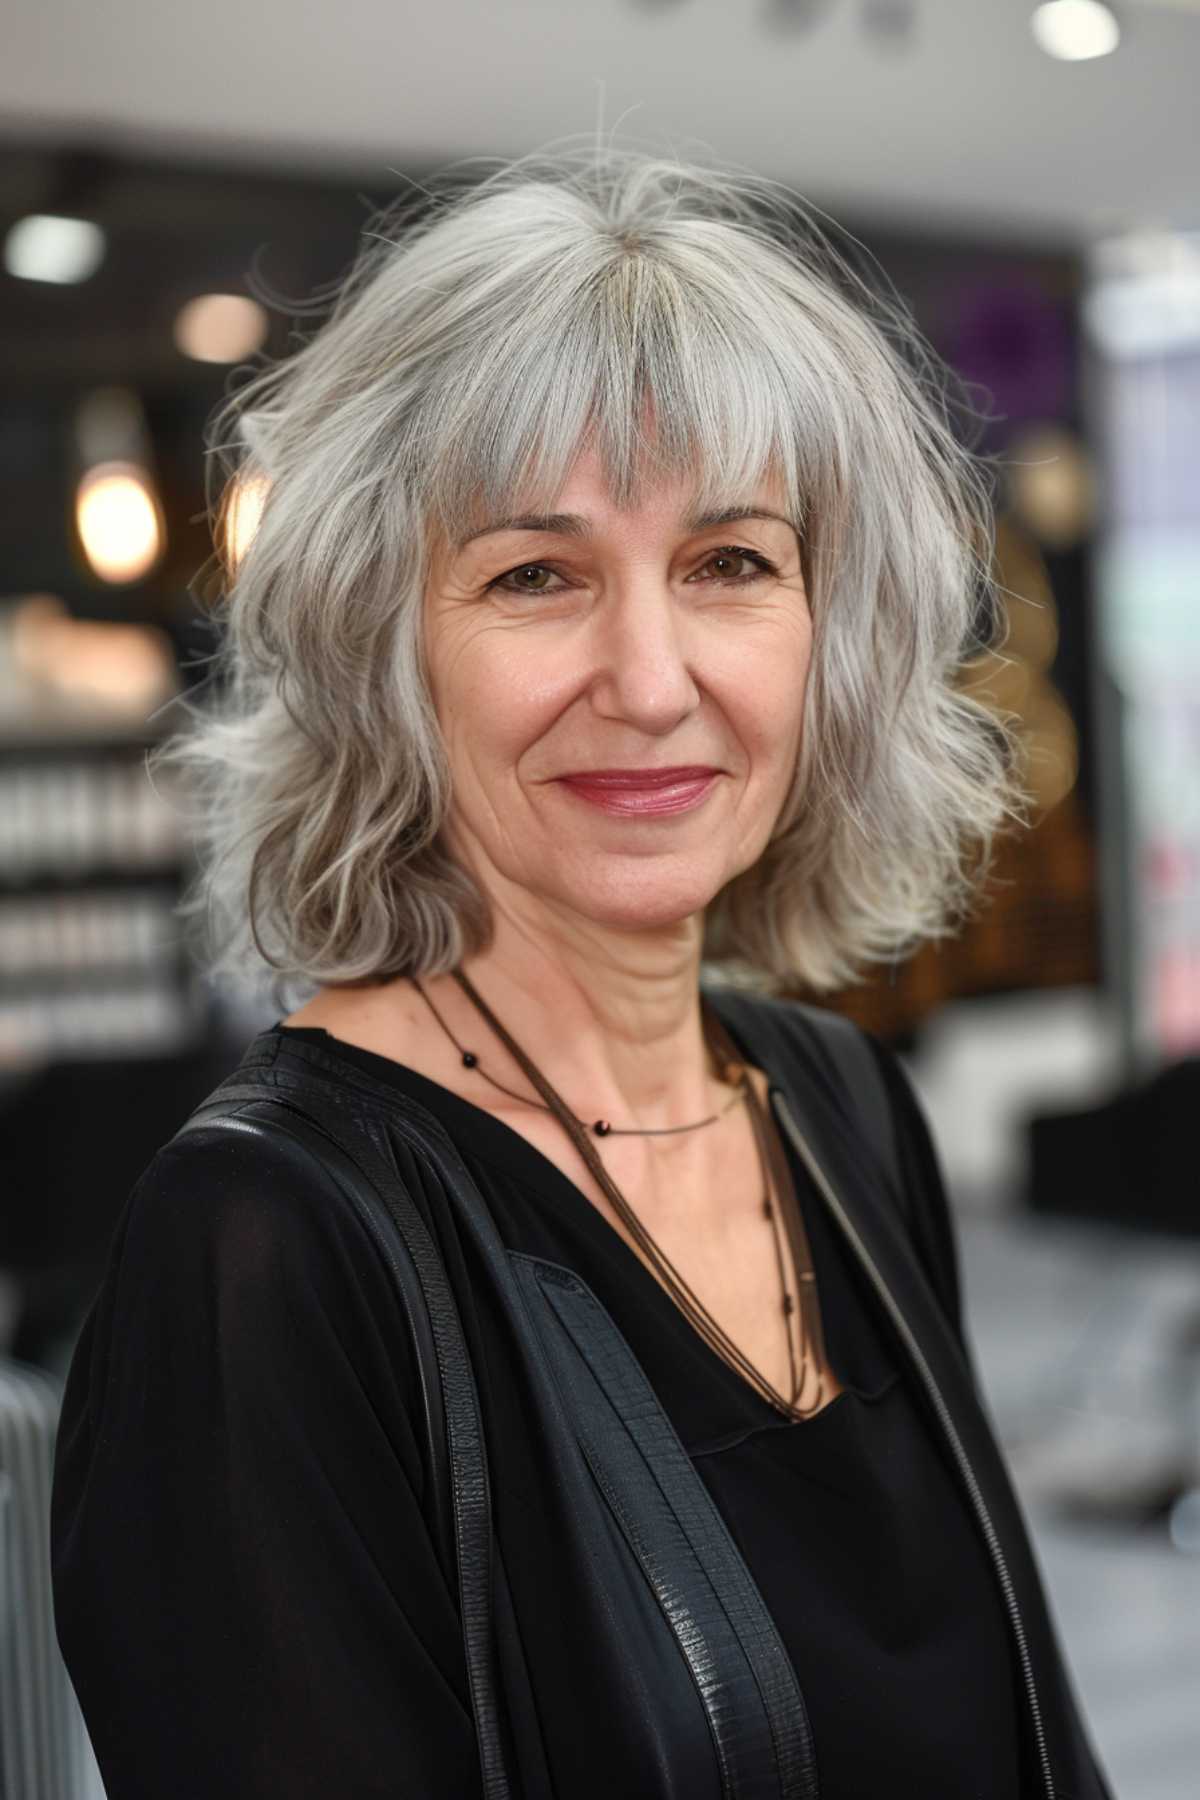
(713, 1212)
(837, 1537)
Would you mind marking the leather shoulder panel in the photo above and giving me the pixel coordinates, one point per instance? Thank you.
(742, 1672)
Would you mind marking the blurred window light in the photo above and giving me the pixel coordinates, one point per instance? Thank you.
(1144, 299)
(1147, 250)
(220, 328)
(120, 522)
(1075, 30)
(45, 247)
(1144, 318)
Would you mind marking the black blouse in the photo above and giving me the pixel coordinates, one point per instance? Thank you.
(246, 1591)
(897, 1602)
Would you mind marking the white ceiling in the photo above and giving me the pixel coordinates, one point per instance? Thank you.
(970, 126)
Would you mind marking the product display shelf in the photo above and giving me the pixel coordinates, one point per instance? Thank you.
(92, 863)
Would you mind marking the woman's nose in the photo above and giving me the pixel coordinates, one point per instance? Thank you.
(643, 667)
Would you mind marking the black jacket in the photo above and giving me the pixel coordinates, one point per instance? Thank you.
(688, 1678)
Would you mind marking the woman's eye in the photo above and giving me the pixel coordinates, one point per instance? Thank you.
(731, 555)
(725, 560)
(502, 581)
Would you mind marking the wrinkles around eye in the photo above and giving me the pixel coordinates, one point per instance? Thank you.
(761, 568)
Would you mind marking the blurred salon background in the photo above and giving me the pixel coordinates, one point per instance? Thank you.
(180, 188)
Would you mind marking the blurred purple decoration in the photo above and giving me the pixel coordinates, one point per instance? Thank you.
(1019, 343)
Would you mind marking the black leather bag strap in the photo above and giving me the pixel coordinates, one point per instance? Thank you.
(297, 1142)
(851, 1054)
(460, 1513)
(858, 1080)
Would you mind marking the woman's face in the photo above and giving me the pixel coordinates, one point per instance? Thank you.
(621, 696)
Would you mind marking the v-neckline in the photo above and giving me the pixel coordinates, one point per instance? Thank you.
(509, 1149)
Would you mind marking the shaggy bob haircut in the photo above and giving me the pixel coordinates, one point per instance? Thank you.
(488, 328)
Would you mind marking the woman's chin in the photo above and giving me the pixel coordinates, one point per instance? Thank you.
(638, 905)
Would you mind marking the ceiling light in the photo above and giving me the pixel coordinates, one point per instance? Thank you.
(44, 247)
(220, 328)
(120, 522)
(1075, 30)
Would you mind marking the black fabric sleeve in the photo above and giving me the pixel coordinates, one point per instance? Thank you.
(936, 1243)
(247, 1596)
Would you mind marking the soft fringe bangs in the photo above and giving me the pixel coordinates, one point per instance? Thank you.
(627, 359)
(690, 324)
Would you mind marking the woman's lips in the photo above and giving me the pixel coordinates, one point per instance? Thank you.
(642, 793)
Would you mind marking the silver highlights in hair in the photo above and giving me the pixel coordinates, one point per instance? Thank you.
(482, 336)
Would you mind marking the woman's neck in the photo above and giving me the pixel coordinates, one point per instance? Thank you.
(614, 1024)
(612, 1020)
(609, 1014)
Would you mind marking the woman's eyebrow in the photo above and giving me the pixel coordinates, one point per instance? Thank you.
(575, 525)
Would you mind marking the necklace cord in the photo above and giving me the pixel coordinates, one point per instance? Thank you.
(602, 1128)
(769, 1163)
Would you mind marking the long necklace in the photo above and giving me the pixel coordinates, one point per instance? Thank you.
(601, 1127)
(801, 1314)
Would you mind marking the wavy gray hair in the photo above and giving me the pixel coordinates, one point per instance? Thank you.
(487, 328)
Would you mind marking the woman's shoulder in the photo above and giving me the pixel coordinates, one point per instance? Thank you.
(232, 1272)
(851, 1062)
(238, 1242)
(868, 1084)
(229, 1187)
(826, 1044)
(242, 1444)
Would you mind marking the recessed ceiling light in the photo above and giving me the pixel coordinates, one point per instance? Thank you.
(1075, 30)
(120, 522)
(220, 328)
(45, 247)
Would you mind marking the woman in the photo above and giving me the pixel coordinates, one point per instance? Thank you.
(535, 1371)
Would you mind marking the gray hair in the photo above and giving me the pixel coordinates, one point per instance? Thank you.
(486, 329)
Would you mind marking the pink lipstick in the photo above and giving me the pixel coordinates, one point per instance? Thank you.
(643, 793)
